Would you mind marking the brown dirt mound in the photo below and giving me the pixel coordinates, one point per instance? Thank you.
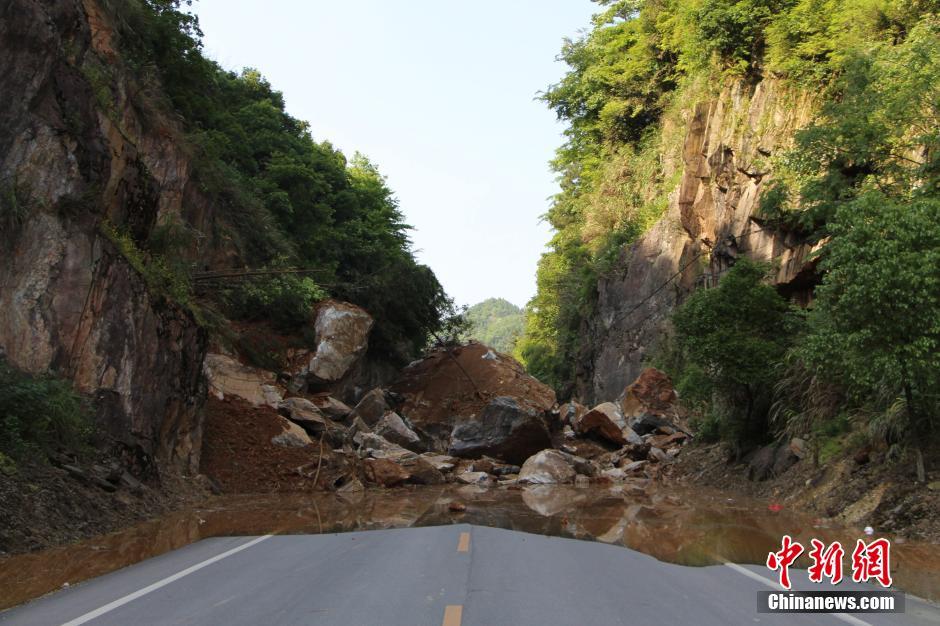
(238, 454)
(436, 389)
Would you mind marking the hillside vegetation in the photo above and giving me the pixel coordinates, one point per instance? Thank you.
(286, 200)
(496, 322)
(862, 179)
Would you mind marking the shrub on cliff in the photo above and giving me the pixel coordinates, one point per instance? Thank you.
(733, 335)
(39, 412)
(285, 300)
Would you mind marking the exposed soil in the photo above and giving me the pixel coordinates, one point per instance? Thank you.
(875, 492)
(238, 455)
(43, 505)
(460, 381)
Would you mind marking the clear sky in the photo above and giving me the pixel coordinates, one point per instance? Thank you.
(440, 95)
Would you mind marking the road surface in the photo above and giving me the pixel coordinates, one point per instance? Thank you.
(457, 575)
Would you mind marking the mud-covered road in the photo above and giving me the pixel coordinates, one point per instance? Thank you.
(696, 528)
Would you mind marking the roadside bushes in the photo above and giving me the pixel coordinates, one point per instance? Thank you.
(284, 300)
(39, 413)
(731, 337)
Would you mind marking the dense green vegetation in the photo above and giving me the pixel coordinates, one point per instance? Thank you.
(496, 322)
(863, 179)
(728, 336)
(39, 413)
(286, 200)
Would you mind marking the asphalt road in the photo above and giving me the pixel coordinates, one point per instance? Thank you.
(440, 576)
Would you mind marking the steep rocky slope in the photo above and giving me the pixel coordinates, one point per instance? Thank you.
(712, 217)
(79, 160)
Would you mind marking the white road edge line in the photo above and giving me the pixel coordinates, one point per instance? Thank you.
(851, 619)
(107, 608)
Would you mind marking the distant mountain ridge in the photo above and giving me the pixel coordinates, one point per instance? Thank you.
(496, 322)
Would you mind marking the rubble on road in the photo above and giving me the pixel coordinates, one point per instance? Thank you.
(472, 416)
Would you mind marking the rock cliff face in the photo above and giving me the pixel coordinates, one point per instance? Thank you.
(711, 219)
(77, 153)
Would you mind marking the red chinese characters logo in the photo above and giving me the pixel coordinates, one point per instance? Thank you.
(782, 560)
(826, 563)
(871, 561)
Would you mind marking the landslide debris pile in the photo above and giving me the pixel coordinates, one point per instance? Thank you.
(464, 414)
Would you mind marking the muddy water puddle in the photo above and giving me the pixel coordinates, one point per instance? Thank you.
(693, 528)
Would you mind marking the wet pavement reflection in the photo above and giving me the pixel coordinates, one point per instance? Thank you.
(688, 527)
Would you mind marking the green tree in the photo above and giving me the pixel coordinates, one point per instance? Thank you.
(734, 334)
(282, 198)
(867, 181)
(875, 326)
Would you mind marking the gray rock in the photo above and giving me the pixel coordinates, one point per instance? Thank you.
(548, 467)
(798, 447)
(784, 459)
(305, 414)
(580, 464)
(647, 423)
(506, 429)
(342, 331)
(376, 446)
(423, 471)
(633, 466)
(228, 377)
(605, 421)
(473, 478)
(441, 462)
(393, 428)
(371, 408)
(353, 485)
(659, 455)
(293, 436)
(333, 408)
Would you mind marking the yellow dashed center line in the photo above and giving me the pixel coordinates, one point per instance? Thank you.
(464, 544)
(452, 614)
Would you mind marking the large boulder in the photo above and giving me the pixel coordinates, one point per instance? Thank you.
(652, 393)
(454, 385)
(507, 429)
(342, 332)
(228, 377)
(760, 463)
(607, 422)
(548, 467)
